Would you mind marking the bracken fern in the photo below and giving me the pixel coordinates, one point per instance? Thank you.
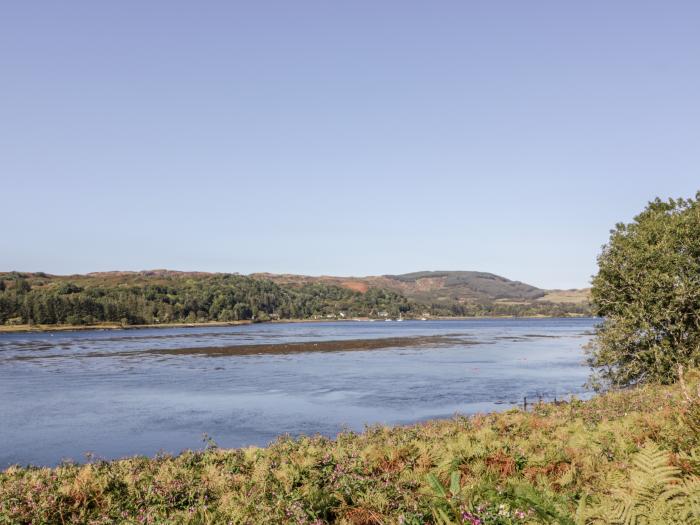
(655, 494)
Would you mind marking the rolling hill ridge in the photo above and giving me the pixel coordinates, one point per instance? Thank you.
(443, 287)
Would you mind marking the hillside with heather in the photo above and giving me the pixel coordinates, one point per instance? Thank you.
(445, 287)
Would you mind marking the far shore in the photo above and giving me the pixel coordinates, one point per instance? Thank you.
(17, 328)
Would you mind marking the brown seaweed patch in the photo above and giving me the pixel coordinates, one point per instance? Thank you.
(344, 345)
(316, 346)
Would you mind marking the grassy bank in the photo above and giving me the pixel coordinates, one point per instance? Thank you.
(634, 452)
(108, 326)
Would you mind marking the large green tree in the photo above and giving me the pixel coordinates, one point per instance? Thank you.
(648, 292)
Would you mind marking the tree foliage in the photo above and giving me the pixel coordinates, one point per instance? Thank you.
(183, 298)
(648, 291)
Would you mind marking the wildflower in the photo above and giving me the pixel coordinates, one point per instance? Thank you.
(470, 519)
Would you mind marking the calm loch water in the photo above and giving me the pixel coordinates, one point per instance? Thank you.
(126, 392)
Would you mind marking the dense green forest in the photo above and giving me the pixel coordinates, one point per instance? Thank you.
(170, 297)
(220, 297)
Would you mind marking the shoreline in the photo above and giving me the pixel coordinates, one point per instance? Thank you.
(19, 328)
(24, 328)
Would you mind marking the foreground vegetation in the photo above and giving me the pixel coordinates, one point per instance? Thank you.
(626, 457)
(163, 297)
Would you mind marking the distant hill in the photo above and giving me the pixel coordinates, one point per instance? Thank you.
(167, 296)
(444, 287)
(464, 286)
(422, 286)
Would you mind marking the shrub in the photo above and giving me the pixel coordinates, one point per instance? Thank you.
(648, 291)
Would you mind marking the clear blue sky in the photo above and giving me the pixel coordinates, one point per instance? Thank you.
(347, 138)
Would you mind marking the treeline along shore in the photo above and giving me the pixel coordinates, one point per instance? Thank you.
(166, 297)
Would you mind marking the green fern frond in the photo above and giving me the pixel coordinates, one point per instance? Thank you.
(655, 494)
(651, 467)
